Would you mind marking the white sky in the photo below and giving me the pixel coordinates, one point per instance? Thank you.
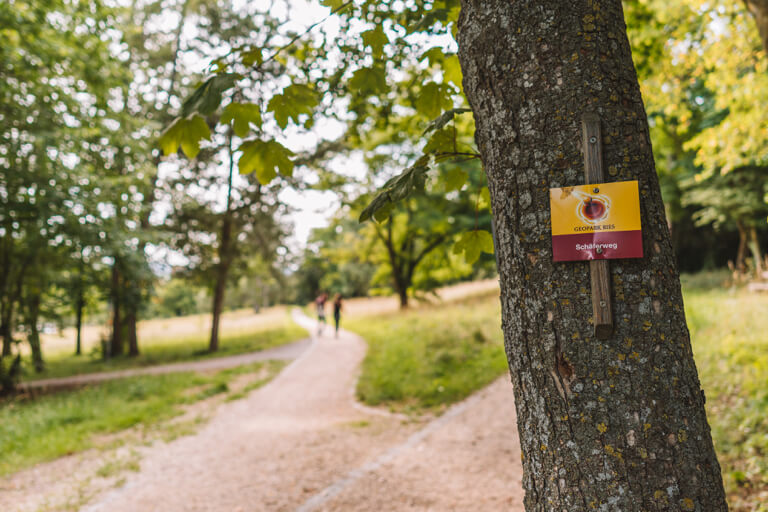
(312, 208)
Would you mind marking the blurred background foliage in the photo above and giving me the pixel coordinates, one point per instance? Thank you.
(96, 226)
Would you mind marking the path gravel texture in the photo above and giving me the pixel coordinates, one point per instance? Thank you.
(302, 443)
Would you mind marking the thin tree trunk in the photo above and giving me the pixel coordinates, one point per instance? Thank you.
(225, 258)
(402, 293)
(614, 424)
(757, 253)
(34, 333)
(116, 344)
(130, 324)
(741, 253)
(218, 303)
(79, 306)
(6, 302)
(6, 326)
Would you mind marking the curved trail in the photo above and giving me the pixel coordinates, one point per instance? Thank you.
(285, 352)
(302, 443)
(269, 450)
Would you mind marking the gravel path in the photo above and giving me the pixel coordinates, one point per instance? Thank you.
(302, 443)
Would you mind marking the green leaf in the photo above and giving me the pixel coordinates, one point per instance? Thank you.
(241, 115)
(434, 55)
(455, 178)
(442, 141)
(333, 4)
(396, 189)
(186, 132)
(375, 39)
(433, 99)
(485, 198)
(384, 212)
(473, 243)
(452, 70)
(252, 56)
(266, 158)
(368, 81)
(207, 98)
(295, 100)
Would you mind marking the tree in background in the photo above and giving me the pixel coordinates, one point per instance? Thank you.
(56, 73)
(335, 260)
(702, 71)
(220, 240)
(735, 199)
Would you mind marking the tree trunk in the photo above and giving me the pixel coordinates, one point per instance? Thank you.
(225, 257)
(218, 302)
(116, 344)
(131, 332)
(757, 253)
(759, 9)
(221, 284)
(741, 253)
(79, 306)
(6, 326)
(614, 424)
(402, 292)
(34, 333)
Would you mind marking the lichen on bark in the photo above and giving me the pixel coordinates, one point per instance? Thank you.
(615, 424)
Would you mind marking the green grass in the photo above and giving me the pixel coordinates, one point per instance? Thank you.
(161, 351)
(43, 428)
(431, 356)
(729, 331)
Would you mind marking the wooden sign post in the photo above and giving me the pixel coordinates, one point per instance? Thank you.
(599, 269)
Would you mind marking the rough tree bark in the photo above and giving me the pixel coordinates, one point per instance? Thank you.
(616, 424)
(759, 9)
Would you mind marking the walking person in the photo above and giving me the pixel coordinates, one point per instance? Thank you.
(337, 311)
(320, 306)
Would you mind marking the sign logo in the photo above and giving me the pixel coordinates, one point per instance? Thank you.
(597, 221)
(592, 209)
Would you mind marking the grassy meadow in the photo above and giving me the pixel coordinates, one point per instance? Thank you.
(177, 339)
(729, 331)
(430, 356)
(39, 428)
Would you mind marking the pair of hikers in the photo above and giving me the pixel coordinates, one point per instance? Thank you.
(320, 305)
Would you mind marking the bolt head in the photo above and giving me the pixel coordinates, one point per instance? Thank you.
(592, 140)
(596, 190)
(599, 250)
